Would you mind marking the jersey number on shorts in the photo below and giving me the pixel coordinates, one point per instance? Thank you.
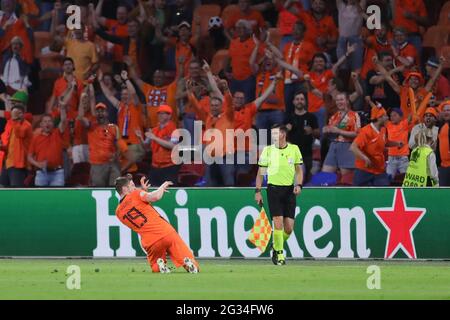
(135, 217)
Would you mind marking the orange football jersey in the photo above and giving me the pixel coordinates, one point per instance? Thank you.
(141, 217)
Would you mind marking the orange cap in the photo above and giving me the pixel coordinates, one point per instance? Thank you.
(377, 112)
(432, 111)
(415, 74)
(165, 108)
(100, 105)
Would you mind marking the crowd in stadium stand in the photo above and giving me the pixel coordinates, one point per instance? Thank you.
(81, 105)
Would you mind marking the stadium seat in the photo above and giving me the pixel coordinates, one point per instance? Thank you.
(143, 167)
(42, 39)
(316, 154)
(190, 174)
(228, 11)
(275, 36)
(345, 179)
(444, 19)
(436, 37)
(246, 179)
(80, 175)
(29, 180)
(218, 61)
(205, 12)
(398, 180)
(323, 179)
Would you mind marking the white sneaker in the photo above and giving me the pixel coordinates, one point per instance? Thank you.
(190, 266)
(163, 268)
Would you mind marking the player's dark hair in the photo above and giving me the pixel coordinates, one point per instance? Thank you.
(280, 126)
(122, 182)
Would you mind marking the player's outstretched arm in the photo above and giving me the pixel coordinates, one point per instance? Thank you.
(157, 194)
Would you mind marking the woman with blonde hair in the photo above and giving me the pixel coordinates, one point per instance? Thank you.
(422, 170)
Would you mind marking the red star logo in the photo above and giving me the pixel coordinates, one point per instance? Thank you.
(400, 222)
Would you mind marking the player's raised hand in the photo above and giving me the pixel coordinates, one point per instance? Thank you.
(166, 185)
(145, 184)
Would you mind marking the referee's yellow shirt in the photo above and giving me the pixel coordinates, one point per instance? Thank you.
(280, 163)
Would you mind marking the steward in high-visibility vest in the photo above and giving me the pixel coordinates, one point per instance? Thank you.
(422, 170)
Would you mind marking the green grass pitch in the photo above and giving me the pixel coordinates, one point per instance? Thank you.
(223, 279)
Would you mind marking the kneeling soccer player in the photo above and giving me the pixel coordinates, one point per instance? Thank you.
(158, 237)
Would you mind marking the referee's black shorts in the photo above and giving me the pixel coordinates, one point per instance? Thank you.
(282, 201)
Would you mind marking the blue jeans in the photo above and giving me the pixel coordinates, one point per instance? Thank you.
(364, 178)
(188, 124)
(49, 179)
(321, 117)
(396, 164)
(247, 86)
(266, 119)
(355, 60)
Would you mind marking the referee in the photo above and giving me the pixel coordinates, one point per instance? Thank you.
(282, 162)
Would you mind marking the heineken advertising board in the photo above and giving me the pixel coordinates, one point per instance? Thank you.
(330, 223)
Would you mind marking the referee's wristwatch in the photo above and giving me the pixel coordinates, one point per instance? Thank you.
(300, 185)
(258, 190)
